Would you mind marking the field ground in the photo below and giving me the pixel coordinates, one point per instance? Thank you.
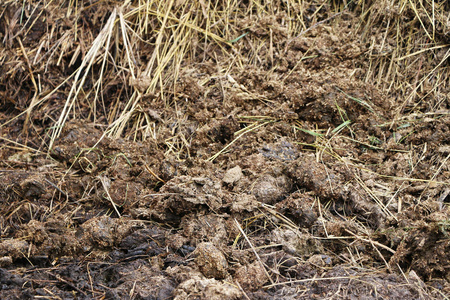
(224, 149)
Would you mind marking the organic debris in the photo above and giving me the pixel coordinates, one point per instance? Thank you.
(224, 149)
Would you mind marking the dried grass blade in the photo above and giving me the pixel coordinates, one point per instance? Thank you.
(81, 76)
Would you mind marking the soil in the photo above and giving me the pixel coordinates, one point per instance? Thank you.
(243, 182)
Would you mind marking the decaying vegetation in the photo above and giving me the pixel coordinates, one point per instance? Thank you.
(224, 149)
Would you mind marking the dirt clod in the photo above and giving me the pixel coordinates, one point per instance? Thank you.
(232, 175)
(211, 261)
(251, 277)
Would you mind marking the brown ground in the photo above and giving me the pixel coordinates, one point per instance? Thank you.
(305, 160)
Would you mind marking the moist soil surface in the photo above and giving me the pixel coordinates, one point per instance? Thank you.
(288, 163)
